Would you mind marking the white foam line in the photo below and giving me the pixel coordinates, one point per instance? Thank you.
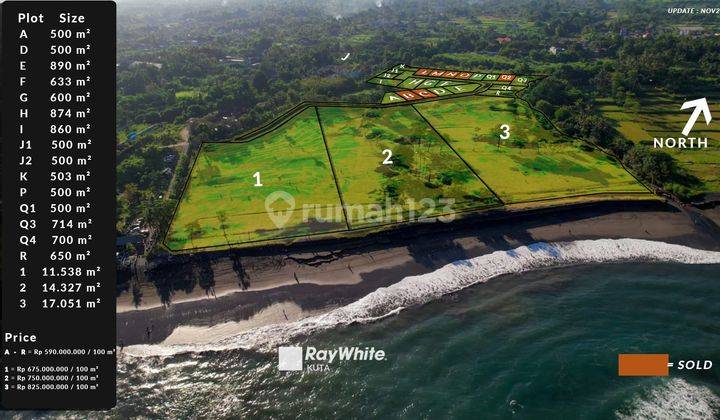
(417, 290)
(674, 399)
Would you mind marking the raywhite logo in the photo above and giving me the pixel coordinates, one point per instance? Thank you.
(281, 217)
(312, 354)
(290, 358)
(319, 360)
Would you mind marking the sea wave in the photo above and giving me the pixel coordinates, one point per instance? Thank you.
(673, 399)
(417, 290)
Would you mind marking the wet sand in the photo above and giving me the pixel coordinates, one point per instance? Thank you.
(240, 290)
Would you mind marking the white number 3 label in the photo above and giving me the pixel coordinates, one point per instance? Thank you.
(506, 132)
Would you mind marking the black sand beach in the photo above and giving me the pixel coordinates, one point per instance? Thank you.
(255, 287)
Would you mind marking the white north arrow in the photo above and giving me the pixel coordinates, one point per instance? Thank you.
(700, 105)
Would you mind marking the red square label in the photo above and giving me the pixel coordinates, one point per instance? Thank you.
(506, 78)
(422, 72)
(437, 73)
(424, 93)
(408, 95)
(463, 75)
(451, 74)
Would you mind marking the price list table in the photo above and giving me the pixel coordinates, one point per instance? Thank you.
(58, 205)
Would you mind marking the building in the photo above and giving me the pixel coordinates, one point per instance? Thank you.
(691, 30)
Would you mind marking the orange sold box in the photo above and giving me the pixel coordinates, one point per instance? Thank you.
(643, 364)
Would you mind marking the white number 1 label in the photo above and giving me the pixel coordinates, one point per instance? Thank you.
(257, 179)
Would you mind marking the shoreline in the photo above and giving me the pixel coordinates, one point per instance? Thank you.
(415, 291)
(280, 287)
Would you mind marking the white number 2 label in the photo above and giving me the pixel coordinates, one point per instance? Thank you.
(388, 154)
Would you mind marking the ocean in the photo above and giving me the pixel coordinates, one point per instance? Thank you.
(540, 344)
(529, 333)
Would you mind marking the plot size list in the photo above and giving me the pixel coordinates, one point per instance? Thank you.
(58, 205)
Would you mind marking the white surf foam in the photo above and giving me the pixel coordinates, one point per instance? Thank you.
(674, 399)
(417, 290)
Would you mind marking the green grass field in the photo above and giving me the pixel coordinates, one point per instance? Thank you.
(535, 163)
(356, 167)
(659, 115)
(188, 94)
(423, 175)
(222, 205)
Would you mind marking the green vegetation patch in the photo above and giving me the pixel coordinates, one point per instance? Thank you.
(657, 114)
(221, 204)
(411, 83)
(536, 162)
(328, 169)
(389, 162)
(392, 98)
(188, 94)
(384, 82)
